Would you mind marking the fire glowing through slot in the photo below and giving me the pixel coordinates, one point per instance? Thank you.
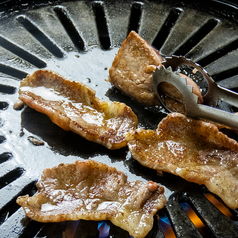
(193, 216)
(219, 205)
(203, 229)
(166, 227)
(103, 229)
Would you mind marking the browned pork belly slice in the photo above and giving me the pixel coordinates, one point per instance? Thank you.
(74, 106)
(132, 69)
(92, 190)
(192, 149)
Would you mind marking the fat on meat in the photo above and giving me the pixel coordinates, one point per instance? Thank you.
(192, 149)
(73, 106)
(92, 190)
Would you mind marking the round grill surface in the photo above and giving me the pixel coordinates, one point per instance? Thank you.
(79, 40)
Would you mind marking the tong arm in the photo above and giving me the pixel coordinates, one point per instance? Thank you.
(225, 95)
(217, 115)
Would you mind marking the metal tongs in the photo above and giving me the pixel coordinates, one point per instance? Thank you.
(168, 73)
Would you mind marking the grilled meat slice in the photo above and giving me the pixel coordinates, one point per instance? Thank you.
(74, 106)
(132, 69)
(91, 190)
(192, 149)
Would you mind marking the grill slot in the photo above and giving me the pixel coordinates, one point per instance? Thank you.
(164, 225)
(197, 37)
(85, 229)
(219, 53)
(70, 28)
(166, 28)
(225, 74)
(10, 176)
(118, 232)
(9, 194)
(13, 227)
(5, 157)
(222, 208)
(3, 105)
(40, 36)
(22, 53)
(182, 225)
(49, 230)
(36, 229)
(101, 23)
(7, 89)
(220, 225)
(2, 139)
(12, 72)
(10, 207)
(32, 229)
(204, 231)
(135, 17)
(181, 211)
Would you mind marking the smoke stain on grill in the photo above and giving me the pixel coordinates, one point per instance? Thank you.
(40, 36)
(135, 17)
(70, 28)
(101, 23)
(197, 37)
(166, 28)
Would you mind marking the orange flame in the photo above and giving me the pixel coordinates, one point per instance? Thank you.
(219, 205)
(195, 219)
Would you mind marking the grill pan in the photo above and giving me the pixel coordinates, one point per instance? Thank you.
(79, 40)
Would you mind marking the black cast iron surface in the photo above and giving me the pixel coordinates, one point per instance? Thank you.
(79, 40)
